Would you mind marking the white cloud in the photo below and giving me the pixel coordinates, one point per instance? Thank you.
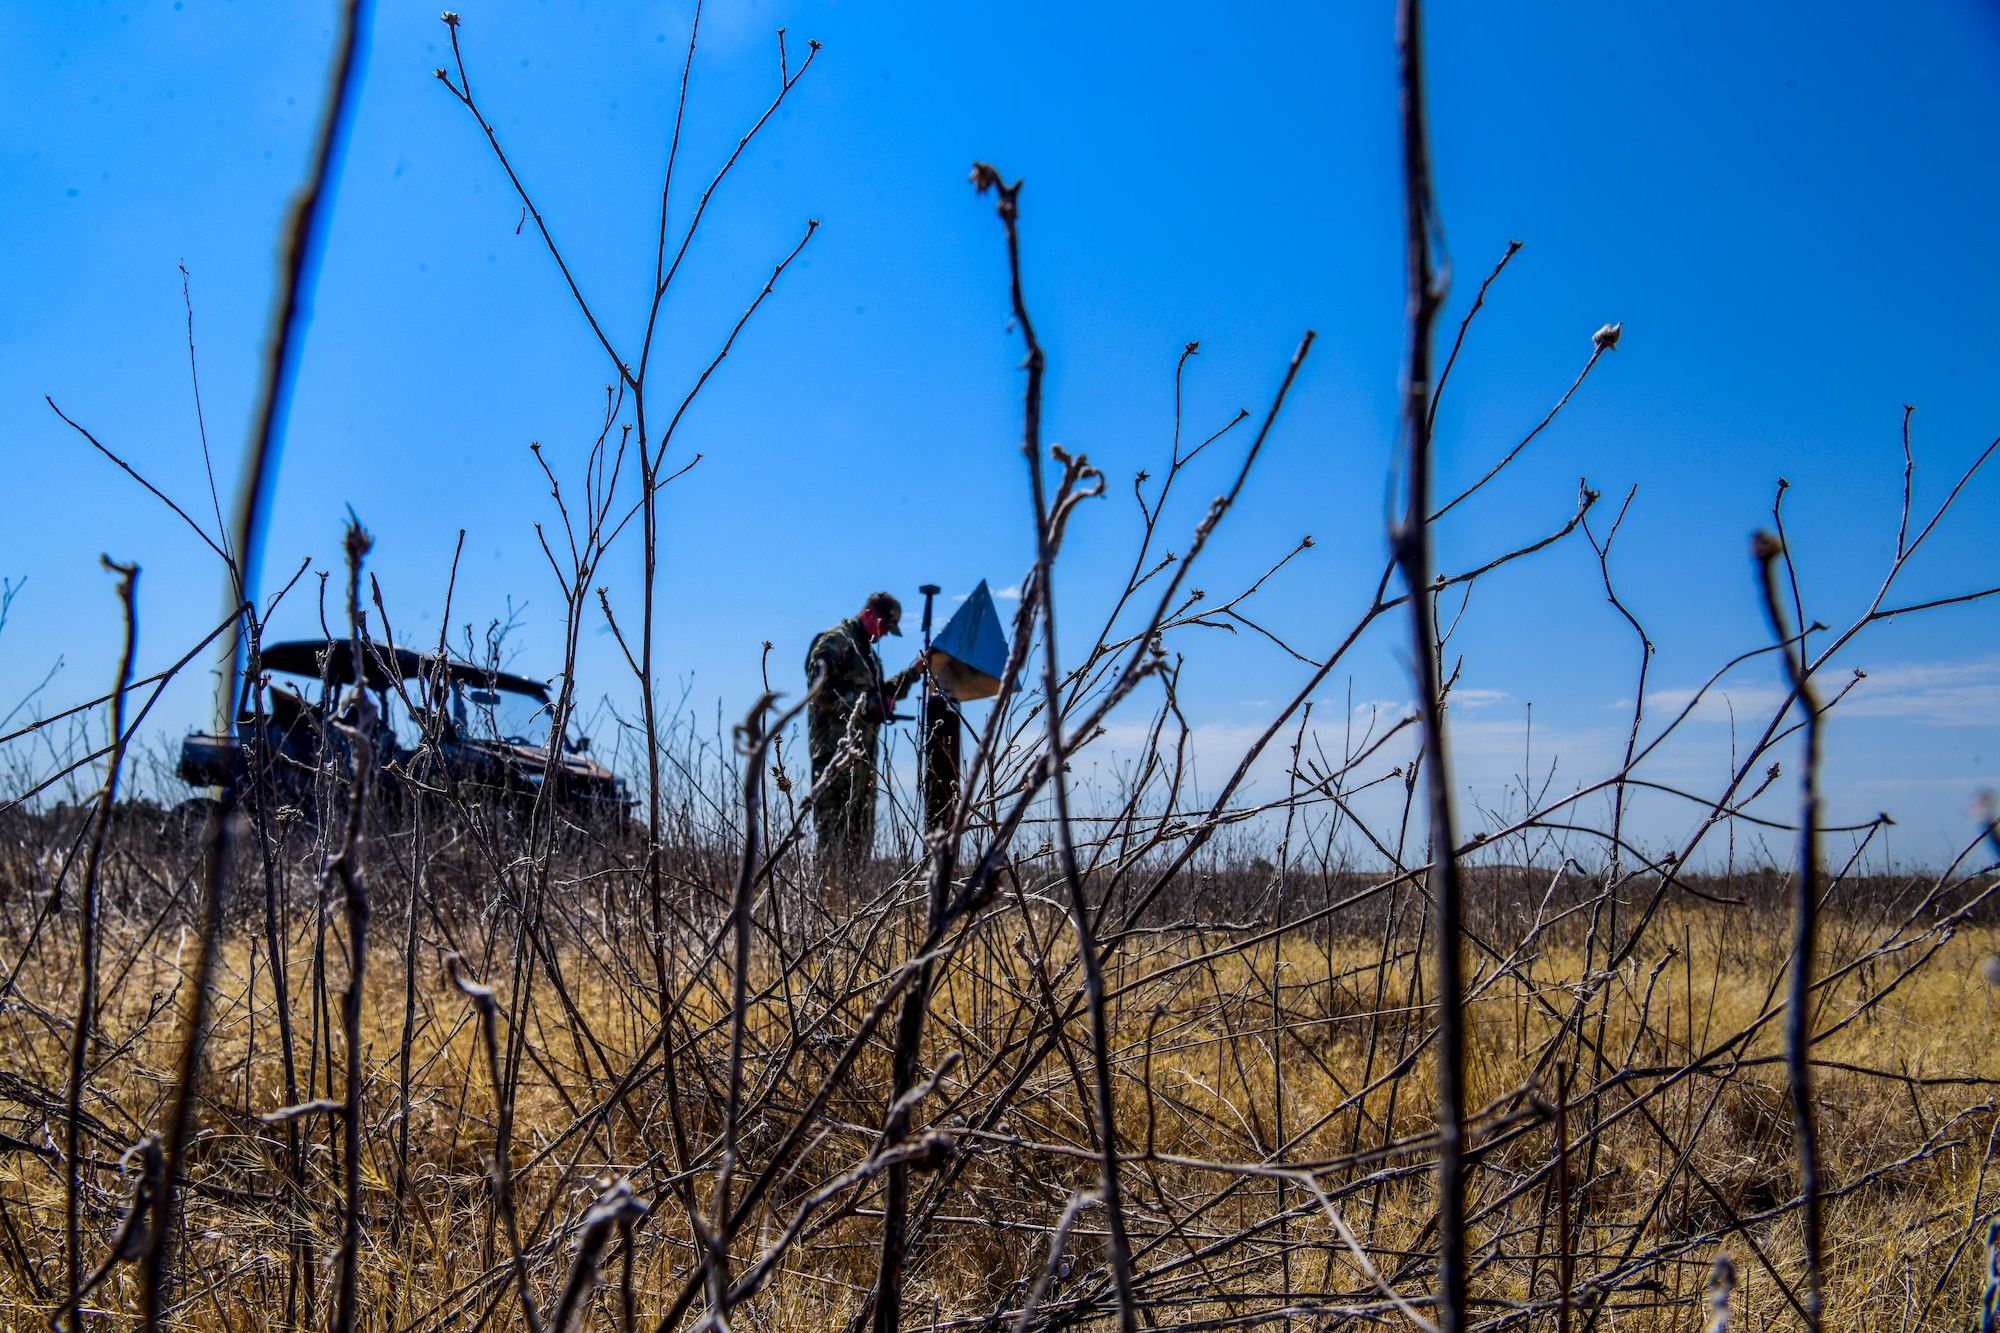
(1722, 703)
(1575, 743)
(1470, 700)
(1945, 694)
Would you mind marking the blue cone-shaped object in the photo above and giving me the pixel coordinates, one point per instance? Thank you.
(969, 655)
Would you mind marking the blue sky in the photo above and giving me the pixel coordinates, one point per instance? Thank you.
(1789, 207)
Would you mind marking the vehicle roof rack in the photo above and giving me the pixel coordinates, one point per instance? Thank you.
(309, 657)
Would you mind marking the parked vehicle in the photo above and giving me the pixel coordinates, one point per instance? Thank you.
(484, 730)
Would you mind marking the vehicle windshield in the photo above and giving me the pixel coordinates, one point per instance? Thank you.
(499, 715)
(478, 714)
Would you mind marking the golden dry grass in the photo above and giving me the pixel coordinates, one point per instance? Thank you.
(1672, 1157)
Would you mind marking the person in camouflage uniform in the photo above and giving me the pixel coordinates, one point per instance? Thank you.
(846, 674)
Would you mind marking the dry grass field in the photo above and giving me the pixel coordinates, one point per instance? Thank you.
(361, 1041)
(1273, 1102)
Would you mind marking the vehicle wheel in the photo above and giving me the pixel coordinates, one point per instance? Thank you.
(189, 818)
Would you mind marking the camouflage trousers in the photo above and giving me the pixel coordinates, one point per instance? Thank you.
(844, 812)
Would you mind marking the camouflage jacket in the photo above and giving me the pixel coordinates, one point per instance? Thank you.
(846, 659)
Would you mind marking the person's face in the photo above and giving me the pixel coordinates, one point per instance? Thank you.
(873, 624)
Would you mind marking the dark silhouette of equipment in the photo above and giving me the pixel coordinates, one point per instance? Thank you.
(939, 749)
